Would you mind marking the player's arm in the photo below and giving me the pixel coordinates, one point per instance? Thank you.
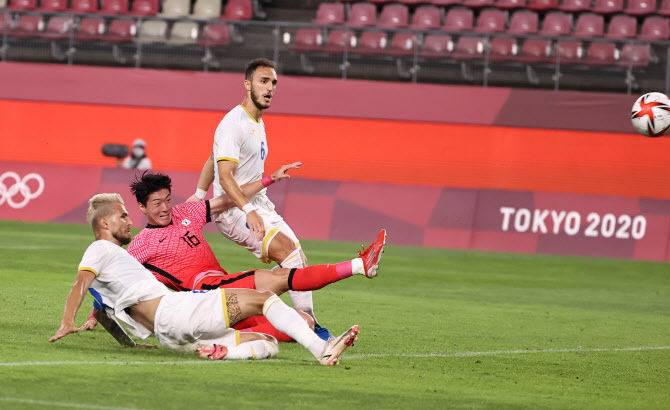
(204, 181)
(73, 302)
(227, 171)
(223, 202)
(116, 330)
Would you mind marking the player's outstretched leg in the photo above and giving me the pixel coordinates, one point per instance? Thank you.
(373, 254)
(335, 347)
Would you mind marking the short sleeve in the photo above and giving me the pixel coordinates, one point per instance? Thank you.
(227, 141)
(94, 259)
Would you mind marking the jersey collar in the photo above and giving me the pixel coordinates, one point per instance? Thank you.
(150, 226)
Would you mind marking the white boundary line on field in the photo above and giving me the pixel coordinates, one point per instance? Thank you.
(61, 404)
(349, 357)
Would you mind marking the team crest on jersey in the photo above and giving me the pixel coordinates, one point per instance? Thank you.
(186, 222)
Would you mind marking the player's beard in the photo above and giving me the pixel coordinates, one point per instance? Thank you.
(257, 101)
(122, 237)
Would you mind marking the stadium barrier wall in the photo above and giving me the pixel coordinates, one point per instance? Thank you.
(460, 218)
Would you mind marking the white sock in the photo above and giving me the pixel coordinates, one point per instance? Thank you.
(287, 320)
(357, 267)
(255, 349)
(301, 300)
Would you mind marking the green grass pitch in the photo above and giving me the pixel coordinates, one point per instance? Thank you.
(439, 329)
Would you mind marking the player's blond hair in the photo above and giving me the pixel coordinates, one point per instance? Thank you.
(100, 206)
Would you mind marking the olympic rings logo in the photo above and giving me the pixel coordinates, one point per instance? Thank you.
(19, 186)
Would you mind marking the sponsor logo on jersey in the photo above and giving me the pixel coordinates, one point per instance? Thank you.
(186, 222)
(161, 241)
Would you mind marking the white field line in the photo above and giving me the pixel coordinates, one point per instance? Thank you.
(60, 404)
(348, 357)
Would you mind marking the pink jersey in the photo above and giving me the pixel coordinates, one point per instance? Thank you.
(178, 252)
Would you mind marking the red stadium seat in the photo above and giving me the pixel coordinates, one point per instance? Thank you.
(436, 46)
(535, 51)
(402, 44)
(329, 14)
(510, 4)
(371, 42)
(58, 27)
(589, 25)
(503, 49)
(28, 26)
(121, 31)
(307, 39)
(491, 21)
(478, 3)
(664, 10)
(215, 35)
(5, 24)
(114, 7)
(640, 7)
(144, 8)
(338, 40)
(22, 5)
(238, 10)
(443, 3)
(426, 18)
(622, 27)
(573, 6)
(655, 28)
(53, 5)
(600, 54)
(393, 16)
(84, 6)
(570, 52)
(362, 15)
(458, 19)
(542, 5)
(523, 22)
(90, 29)
(556, 24)
(608, 6)
(635, 55)
(468, 48)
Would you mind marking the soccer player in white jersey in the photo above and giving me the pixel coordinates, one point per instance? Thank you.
(198, 321)
(239, 152)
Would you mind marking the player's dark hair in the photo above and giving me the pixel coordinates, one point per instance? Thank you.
(253, 66)
(148, 183)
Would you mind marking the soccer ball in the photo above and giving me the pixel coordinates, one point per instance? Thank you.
(651, 114)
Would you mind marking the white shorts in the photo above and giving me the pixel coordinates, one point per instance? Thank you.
(185, 319)
(233, 225)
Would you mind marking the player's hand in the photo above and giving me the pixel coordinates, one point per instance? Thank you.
(139, 346)
(256, 225)
(193, 198)
(64, 330)
(90, 324)
(281, 172)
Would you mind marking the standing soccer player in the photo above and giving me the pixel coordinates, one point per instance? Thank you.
(238, 157)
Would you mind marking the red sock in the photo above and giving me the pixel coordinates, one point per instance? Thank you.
(260, 324)
(317, 276)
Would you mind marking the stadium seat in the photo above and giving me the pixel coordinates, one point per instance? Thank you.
(570, 52)
(339, 39)
(458, 19)
(144, 8)
(84, 6)
(589, 25)
(215, 35)
(574, 6)
(362, 15)
(436, 46)
(503, 49)
(556, 24)
(114, 7)
(664, 10)
(121, 31)
(58, 27)
(535, 51)
(90, 29)
(307, 39)
(478, 3)
(490, 21)
(153, 31)
(393, 16)
(542, 5)
(444, 3)
(329, 14)
(599, 54)
(238, 10)
(523, 22)
(426, 18)
(206, 9)
(22, 5)
(608, 6)
(655, 28)
(509, 4)
(622, 27)
(183, 33)
(5, 24)
(634, 55)
(175, 8)
(53, 5)
(371, 42)
(402, 44)
(468, 48)
(640, 7)
(28, 26)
